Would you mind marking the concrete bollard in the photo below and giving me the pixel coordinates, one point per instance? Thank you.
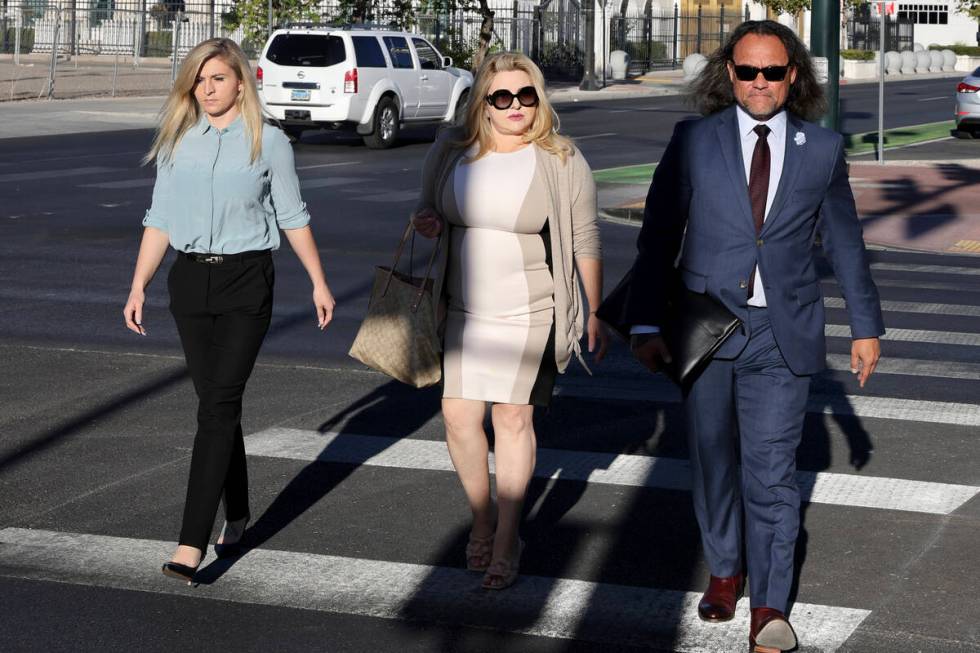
(922, 60)
(949, 59)
(935, 61)
(917, 47)
(693, 65)
(893, 63)
(908, 62)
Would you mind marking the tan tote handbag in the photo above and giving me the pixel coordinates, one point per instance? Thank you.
(398, 336)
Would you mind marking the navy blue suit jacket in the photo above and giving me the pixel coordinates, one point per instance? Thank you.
(699, 197)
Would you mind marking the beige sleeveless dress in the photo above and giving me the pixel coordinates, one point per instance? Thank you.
(499, 339)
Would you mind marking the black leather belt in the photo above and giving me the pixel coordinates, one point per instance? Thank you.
(218, 259)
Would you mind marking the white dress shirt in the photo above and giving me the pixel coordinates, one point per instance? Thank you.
(777, 150)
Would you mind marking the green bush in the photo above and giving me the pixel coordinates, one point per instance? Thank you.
(969, 50)
(26, 40)
(643, 52)
(157, 44)
(858, 55)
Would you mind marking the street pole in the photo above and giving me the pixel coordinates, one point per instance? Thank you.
(825, 42)
(602, 3)
(881, 84)
(588, 77)
(270, 17)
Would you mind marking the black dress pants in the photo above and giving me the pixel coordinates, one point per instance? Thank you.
(222, 312)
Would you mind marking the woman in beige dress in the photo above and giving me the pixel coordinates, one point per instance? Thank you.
(514, 205)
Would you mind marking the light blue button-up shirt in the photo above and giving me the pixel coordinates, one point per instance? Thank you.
(210, 198)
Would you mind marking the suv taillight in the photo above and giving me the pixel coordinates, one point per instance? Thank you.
(350, 81)
(967, 88)
(258, 78)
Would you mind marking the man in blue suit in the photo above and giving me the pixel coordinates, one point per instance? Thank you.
(738, 202)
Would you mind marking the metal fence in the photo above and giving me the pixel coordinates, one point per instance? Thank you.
(660, 39)
(864, 33)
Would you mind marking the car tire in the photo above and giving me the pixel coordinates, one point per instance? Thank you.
(293, 133)
(459, 115)
(386, 125)
(964, 134)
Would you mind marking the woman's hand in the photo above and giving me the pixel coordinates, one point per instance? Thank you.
(324, 302)
(427, 222)
(133, 312)
(597, 332)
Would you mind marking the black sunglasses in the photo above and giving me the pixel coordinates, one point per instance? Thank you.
(503, 99)
(770, 73)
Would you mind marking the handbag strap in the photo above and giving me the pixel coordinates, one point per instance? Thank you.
(410, 232)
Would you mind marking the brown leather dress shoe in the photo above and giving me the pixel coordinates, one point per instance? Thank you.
(770, 632)
(718, 602)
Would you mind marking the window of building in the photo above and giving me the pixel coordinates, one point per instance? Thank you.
(931, 14)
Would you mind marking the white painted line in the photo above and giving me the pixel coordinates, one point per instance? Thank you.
(933, 412)
(326, 182)
(125, 183)
(55, 174)
(583, 138)
(930, 269)
(328, 165)
(913, 307)
(911, 335)
(957, 286)
(912, 367)
(932, 99)
(536, 605)
(603, 468)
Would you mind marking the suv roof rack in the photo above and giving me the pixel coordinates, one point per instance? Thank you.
(345, 26)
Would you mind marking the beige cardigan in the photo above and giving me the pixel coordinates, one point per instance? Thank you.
(571, 221)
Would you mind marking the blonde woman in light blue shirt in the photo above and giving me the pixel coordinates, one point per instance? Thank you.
(226, 184)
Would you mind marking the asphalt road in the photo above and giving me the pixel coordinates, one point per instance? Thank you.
(359, 537)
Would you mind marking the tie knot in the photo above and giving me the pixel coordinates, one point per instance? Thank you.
(761, 130)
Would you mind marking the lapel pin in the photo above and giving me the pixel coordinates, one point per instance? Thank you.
(800, 138)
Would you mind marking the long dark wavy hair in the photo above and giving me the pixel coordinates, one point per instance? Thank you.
(712, 90)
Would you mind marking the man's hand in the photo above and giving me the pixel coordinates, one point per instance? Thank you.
(865, 353)
(427, 223)
(651, 350)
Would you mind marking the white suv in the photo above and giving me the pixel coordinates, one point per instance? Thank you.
(370, 79)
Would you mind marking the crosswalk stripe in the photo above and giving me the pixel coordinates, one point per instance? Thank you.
(928, 269)
(915, 410)
(558, 608)
(37, 175)
(912, 367)
(911, 335)
(124, 183)
(913, 307)
(602, 468)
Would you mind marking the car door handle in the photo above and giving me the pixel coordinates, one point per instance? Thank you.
(424, 78)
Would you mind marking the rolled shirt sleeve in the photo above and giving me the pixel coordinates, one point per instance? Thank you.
(156, 215)
(285, 197)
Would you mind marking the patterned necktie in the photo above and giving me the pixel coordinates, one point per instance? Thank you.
(759, 186)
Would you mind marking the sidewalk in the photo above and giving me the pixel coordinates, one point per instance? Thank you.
(922, 205)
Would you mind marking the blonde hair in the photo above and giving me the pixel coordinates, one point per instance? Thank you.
(544, 129)
(181, 111)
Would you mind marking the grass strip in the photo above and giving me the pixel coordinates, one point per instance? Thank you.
(638, 174)
(868, 141)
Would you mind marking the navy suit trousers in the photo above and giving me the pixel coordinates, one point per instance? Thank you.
(750, 408)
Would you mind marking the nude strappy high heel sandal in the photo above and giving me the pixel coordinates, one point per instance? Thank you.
(503, 573)
(479, 551)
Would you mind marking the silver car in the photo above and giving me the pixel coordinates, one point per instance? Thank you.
(968, 106)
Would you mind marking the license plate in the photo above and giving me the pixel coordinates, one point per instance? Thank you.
(300, 95)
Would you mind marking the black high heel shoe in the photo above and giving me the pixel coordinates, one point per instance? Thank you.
(233, 549)
(179, 571)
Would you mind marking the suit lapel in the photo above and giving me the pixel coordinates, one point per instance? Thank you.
(792, 163)
(731, 150)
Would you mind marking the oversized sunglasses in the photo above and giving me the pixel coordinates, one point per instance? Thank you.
(769, 73)
(503, 99)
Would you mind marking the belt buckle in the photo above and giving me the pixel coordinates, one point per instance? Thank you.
(213, 259)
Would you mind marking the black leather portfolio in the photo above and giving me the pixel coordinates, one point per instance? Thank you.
(695, 326)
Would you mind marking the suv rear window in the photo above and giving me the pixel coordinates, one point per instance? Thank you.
(368, 52)
(308, 50)
(401, 56)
